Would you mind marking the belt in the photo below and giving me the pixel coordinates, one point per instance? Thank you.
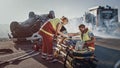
(46, 32)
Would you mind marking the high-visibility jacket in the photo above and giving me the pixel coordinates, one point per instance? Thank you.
(86, 36)
(45, 28)
(54, 22)
(47, 31)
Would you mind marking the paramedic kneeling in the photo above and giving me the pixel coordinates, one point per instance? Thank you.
(86, 36)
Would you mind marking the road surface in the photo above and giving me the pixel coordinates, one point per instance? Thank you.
(108, 55)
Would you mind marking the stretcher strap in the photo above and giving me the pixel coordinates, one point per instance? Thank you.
(47, 32)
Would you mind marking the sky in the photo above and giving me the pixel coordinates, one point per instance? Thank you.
(17, 10)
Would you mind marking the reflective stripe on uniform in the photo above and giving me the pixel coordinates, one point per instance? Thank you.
(47, 32)
(92, 48)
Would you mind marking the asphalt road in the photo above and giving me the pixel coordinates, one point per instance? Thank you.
(107, 57)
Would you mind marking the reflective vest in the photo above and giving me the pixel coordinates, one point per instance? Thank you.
(85, 36)
(54, 22)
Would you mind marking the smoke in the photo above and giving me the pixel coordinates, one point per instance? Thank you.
(72, 26)
(4, 30)
(111, 29)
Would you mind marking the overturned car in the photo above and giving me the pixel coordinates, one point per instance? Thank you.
(24, 31)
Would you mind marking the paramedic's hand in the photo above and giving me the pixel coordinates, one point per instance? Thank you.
(54, 37)
(66, 36)
(83, 42)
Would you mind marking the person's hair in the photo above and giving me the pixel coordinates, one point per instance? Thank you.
(81, 25)
(64, 18)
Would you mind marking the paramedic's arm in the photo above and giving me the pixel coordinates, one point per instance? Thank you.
(93, 39)
(73, 34)
(59, 32)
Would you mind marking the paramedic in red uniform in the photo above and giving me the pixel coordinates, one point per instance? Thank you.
(48, 31)
(86, 36)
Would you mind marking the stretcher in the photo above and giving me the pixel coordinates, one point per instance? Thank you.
(84, 58)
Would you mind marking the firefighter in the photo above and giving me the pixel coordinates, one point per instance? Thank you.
(86, 36)
(48, 31)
